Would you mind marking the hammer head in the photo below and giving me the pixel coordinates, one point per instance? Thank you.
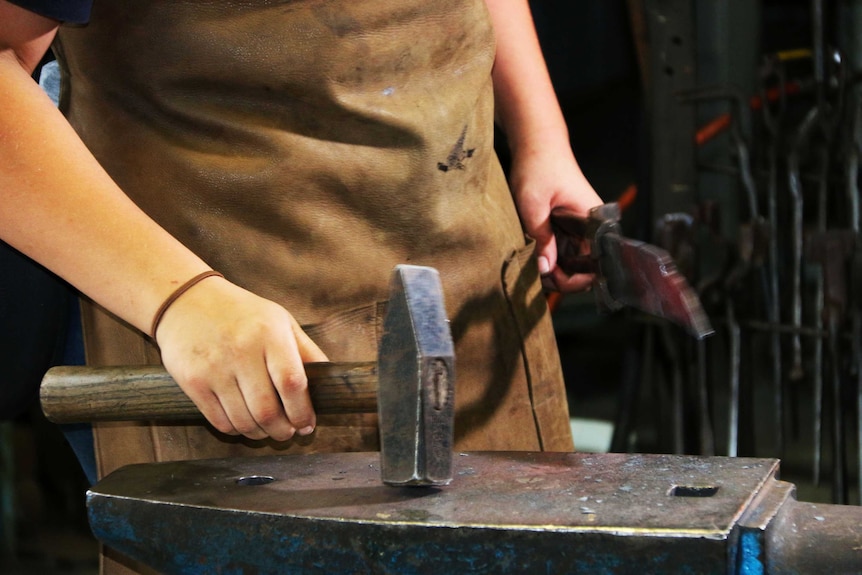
(416, 370)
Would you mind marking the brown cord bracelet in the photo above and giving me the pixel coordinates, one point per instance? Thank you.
(176, 295)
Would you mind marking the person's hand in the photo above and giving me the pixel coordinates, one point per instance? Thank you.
(542, 181)
(240, 358)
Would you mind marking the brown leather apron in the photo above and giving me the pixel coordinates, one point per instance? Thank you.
(304, 148)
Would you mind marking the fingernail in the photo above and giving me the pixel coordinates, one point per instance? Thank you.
(544, 265)
(306, 430)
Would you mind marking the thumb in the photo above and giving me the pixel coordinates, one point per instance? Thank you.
(546, 247)
(308, 350)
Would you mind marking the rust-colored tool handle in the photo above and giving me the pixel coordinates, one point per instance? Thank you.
(75, 394)
(571, 231)
(579, 238)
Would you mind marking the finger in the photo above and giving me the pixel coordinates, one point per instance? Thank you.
(291, 384)
(236, 406)
(573, 283)
(546, 255)
(541, 229)
(286, 369)
(548, 283)
(205, 398)
(224, 406)
(308, 350)
(214, 413)
(259, 391)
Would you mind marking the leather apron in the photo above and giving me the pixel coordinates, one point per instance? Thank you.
(304, 148)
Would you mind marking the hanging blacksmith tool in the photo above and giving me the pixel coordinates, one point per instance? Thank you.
(773, 71)
(753, 246)
(815, 137)
(678, 232)
(627, 272)
(411, 386)
(852, 151)
(504, 513)
(833, 250)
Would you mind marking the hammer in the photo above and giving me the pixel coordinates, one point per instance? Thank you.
(411, 386)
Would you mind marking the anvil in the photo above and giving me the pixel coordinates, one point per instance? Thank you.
(504, 512)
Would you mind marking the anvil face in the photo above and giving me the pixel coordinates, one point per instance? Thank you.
(503, 513)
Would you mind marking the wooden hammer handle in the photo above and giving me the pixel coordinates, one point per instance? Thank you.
(75, 394)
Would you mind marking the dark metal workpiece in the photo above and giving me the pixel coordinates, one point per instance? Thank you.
(504, 513)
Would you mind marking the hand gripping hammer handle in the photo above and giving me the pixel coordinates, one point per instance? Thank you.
(75, 394)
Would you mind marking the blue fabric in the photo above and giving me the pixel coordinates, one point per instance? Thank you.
(49, 80)
(73, 11)
(78, 435)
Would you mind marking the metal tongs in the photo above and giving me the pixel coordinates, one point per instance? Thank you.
(626, 272)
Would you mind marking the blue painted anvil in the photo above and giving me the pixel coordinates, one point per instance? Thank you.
(504, 512)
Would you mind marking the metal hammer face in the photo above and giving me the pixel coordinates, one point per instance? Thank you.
(416, 393)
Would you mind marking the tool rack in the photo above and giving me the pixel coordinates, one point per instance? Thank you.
(775, 256)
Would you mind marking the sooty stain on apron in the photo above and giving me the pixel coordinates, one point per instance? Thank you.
(455, 159)
(336, 19)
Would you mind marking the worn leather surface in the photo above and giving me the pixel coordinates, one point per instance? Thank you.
(304, 148)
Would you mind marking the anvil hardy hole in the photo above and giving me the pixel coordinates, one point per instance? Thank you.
(693, 490)
(255, 480)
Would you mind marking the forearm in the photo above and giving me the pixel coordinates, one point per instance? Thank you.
(63, 210)
(544, 174)
(238, 356)
(526, 104)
